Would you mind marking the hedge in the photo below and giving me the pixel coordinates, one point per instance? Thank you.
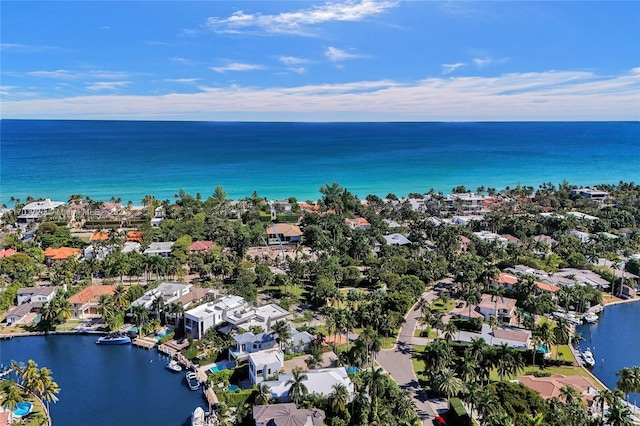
(461, 417)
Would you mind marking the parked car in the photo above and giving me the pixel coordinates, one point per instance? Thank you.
(439, 421)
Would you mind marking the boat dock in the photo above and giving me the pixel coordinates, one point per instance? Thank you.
(144, 344)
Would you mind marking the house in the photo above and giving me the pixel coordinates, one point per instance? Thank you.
(490, 237)
(263, 316)
(134, 236)
(162, 249)
(396, 240)
(466, 203)
(99, 236)
(248, 343)
(85, 302)
(358, 223)
(36, 211)
(320, 382)
(36, 294)
(158, 216)
(510, 280)
(590, 194)
(283, 233)
(513, 337)
(264, 364)
(583, 277)
(287, 415)
(199, 319)
(200, 246)
(583, 236)
(581, 216)
(22, 314)
(466, 220)
(7, 253)
(550, 387)
(55, 255)
(169, 292)
(502, 308)
(300, 341)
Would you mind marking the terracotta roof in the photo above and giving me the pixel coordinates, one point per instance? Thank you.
(549, 387)
(93, 292)
(360, 221)
(285, 229)
(100, 236)
(547, 287)
(61, 253)
(134, 236)
(201, 246)
(7, 253)
(500, 303)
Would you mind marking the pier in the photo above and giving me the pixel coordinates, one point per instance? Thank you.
(143, 343)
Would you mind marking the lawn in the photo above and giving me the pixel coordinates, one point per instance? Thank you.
(429, 333)
(443, 306)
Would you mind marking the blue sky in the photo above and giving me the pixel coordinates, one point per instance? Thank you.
(321, 61)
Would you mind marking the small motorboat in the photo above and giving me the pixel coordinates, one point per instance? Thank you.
(174, 366)
(197, 418)
(114, 339)
(591, 317)
(192, 380)
(588, 358)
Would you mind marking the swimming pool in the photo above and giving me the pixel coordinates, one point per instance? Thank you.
(233, 388)
(23, 409)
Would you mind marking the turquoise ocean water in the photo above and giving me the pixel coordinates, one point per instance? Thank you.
(130, 159)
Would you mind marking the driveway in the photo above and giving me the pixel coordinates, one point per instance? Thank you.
(397, 362)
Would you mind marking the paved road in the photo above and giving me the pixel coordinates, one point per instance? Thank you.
(397, 362)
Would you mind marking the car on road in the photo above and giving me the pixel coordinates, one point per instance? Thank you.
(439, 421)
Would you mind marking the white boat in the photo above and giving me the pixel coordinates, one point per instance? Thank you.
(114, 339)
(192, 380)
(173, 366)
(197, 418)
(588, 358)
(591, 317)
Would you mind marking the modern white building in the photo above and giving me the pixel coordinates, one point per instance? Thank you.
(199, 319)
(169, 292)
(160, 249)
(36, 295)
(320, 382)
(265, 364)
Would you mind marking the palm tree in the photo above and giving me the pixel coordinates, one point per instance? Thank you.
(339, 399)
(561, 333)
(314, 360)
(11, 398)
(263, 395)
(493, 323)
(30, 376)
(449, 383)
(283, 331)
(608, 397)
(508, 360)
(140, 316)
(619, 414)
(298, 390)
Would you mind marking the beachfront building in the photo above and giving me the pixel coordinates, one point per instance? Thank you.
(36, 211)
(283, 233)
(42, 295)
(169, 292)
(265, 364)
(201, 318)
(320, 382)
(287, 415)
(158, 216)
(85, 302)
(466, 203)
(358, 223)
(590, 194)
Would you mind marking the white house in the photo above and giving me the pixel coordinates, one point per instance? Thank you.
(319, 382)
(590, 194)
(160, 249)
(248, 343)
(34, 212)
(199, 319)
(169, 292)
(36, 295)
(265, 364)
(158, 216)
(21, 314)
(264, 316)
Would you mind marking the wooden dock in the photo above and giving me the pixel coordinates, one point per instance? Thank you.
(144, 344)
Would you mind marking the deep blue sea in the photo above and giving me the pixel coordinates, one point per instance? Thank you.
(107, 385)
(130, 159)
(614, 341)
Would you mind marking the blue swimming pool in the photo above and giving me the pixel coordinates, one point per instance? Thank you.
(23, 409)
(233, 388)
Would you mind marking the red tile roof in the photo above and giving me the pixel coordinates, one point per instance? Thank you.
(134, 236)
(7, 253)
(61, 253)
(93, 292)
(201, 246)
(100, 236)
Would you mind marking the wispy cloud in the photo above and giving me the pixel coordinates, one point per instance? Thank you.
(26, 48)
(78, 75)
(237, 66)
(551, 95)
(182, 80)
(449, 68)
(486, 61)
(336, 55)
(106, 85)
(300, 21)
(292, 60)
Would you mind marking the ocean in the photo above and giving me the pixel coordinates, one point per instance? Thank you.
(107, 385)
(131, 159)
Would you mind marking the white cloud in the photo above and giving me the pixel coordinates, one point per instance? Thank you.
(292, 60)
(78, 75)
(483, 62)
(106, 85)
(449, 68)
(299, 21)
(236, 66)
(182, 80)
(335, 55)
(550, 95)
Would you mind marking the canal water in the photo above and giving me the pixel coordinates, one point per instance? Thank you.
(614, 341)
(107, 385)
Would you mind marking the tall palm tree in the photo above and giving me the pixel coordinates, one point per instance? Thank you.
(263, 395)
(283, 331)
(11, 397)
(449, 383)
(140, 317)
(298, 390)
(339, 399)
(626, 381)
(561, 333)
(619, 414)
